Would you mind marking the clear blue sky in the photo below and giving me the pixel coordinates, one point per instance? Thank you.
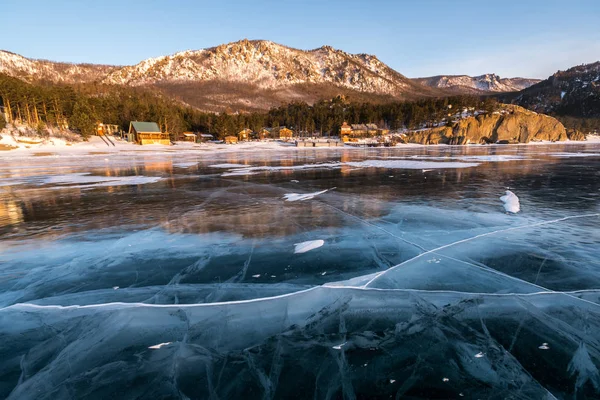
(531, 38)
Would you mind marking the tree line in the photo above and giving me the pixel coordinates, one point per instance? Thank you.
(80, 107)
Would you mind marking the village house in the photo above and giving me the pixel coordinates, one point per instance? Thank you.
(345, 129)
(264, 134)
(231, 139)
(188, 137)
(245, 134)
(107, 129)
(358, 131)
(144, 133)
(281, 132)
(205, 137)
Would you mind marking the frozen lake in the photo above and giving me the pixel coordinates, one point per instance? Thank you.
(346, 273)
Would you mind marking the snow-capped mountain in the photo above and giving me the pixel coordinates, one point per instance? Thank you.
(268, 66)
(241, 75)
(475, 84)
(58, 72)
(574, 92)
(257, 75)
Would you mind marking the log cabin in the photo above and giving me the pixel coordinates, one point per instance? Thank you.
(148, 133)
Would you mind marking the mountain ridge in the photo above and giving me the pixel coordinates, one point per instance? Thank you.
(246, 75)
(485, 83)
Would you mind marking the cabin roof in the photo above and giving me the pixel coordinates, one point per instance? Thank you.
(145, 126)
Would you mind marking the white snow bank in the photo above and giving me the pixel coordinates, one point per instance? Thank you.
(308, 246)
(511, 202)
(303, 196)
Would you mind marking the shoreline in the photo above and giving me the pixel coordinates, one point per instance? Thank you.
(10, 148)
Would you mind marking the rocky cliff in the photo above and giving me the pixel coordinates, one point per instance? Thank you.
(513, 124)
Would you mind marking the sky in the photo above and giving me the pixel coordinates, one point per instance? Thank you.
(527, 38)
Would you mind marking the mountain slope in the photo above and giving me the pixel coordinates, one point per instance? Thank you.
(476, 84)
(574, 92)
(30, 70)
(244, 75)
(274, 73)
(257, 75)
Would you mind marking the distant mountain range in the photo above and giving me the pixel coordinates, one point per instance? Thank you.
(462, 84)
(256, 75)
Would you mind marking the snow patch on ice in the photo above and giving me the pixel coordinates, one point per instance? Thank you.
(308, 246)
(569, 155)
(255, 170)
(303, 196)
(511, 202)
(158, 346)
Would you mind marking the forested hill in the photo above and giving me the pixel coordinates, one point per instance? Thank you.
(80, 107)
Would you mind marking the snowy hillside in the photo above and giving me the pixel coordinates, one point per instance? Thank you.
(574, 92)
(28, 69)
(268, 65)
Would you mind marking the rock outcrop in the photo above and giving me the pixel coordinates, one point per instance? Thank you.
(574, 134)
(513, 125)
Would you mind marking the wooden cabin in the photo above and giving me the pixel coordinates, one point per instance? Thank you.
(345, 130)
(188, 137)
(107, 129)
(205, 137)
(285, 133)
(231, 139)
(245, 134)
(361, 130)
(148, 133)
(264, 134)
(281, 132)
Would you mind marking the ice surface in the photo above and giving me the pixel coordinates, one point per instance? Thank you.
(308, 246)
(190, 290)
(511, 202)
(108, 345)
